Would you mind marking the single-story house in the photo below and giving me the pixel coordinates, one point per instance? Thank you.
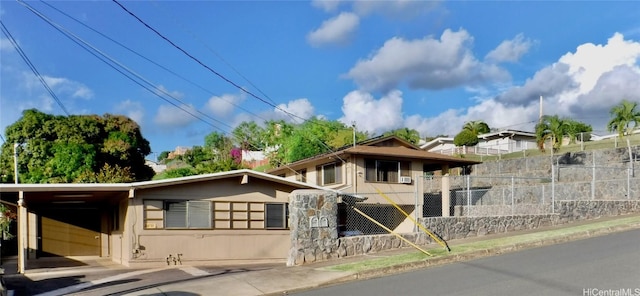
(228, 217)
(493, 143)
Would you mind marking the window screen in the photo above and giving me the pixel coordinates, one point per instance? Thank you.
(277, 215)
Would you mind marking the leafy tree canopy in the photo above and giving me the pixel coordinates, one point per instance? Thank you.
(557, 129)
(624, 118)
(410, 135)
(75, 149)
(465, 138)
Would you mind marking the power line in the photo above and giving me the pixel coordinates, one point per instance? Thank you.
(214, 71)
(151, 61)
(26, 59)
(112, 62)
(206, 66)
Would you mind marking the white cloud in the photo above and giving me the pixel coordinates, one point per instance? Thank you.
(510, 50)
(61, 86)
(223, 105)
(400, 9)
(295, 111)
(131, 109)
(584, 84)
(326, 5)
(426, 63)
(371, 115)
(337, 30)
(161, 90)
(590, 61)
(5, 44)
(170, 116)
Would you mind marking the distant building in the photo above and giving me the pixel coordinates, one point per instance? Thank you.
(178, 151)
(253, 159)
(157, 168)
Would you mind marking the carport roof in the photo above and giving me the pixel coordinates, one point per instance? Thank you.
(78, 187)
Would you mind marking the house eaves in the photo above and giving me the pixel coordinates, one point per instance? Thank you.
(506, 133)
(223, 175)
(71, 187)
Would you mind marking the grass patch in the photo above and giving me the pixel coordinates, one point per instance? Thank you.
(415, 256)
(589, 145)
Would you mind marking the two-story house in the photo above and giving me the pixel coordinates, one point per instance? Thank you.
(387, 164)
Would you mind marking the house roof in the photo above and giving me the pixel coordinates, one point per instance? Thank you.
(406, 150)
(505, 133)
(435, 142)
(102, 187)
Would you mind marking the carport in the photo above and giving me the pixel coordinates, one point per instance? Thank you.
(67, 219)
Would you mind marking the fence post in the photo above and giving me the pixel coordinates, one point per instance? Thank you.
(468, 195)
(629, 172)
(593, 177)
(446, 196)
(512, 196)
(419, 191)
(553, 189)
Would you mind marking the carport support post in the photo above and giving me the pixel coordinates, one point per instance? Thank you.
(22, 233)
(446, 196)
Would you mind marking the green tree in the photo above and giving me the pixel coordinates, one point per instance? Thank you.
(477, 127)
(550, 128)
(249, 135)
(77, 148)
(573, 130)
(624, 120)
(465, 138)
(410, 135)
(163, 156)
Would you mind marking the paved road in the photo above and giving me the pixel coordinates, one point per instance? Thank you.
(588, 267)
(118, 282)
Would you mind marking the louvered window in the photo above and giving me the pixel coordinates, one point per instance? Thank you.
(187, 214)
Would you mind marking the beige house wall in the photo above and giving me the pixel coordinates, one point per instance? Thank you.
(152, 247)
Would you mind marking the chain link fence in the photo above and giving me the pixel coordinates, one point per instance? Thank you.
(488, 195)
(578, 182)
(473, 195)
(376, 210)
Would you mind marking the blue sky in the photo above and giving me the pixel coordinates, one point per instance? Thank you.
(426, 65)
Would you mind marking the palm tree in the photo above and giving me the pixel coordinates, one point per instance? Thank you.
(410, 135)
(477, 127)
(551, 127)
(625, 119)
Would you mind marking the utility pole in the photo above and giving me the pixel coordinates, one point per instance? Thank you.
(540, 117)
(15, 162)
(353, 124)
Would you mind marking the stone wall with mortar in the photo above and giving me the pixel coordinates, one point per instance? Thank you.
(313, 224)
(456, 228)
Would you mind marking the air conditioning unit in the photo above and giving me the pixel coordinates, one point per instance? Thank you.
(405, 180)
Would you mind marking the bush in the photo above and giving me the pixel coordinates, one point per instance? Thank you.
(465, 138)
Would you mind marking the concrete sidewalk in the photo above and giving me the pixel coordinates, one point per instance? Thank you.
(282, 280)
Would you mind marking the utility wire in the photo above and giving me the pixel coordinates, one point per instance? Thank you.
(112, 62)
(153, 62)
(26, 59)
(216, 72)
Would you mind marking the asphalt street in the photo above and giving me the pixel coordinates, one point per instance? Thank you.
(595, 266)
(119, 282)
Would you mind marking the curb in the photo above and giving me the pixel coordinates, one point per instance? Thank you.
(404, 267)
(447, 259)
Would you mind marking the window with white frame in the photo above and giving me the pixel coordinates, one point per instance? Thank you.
(329, 174)
(187, 214)
(386, 171)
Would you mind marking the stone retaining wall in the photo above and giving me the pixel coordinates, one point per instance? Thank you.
(313, 246)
